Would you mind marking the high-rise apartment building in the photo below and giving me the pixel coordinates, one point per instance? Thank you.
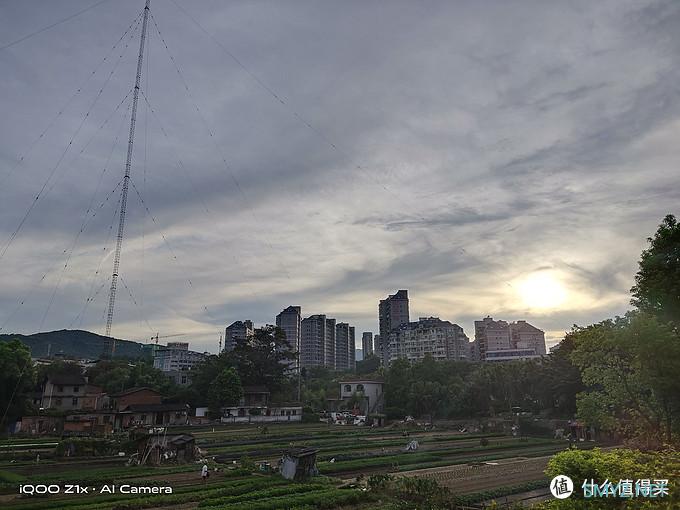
(352, 348)
(313, 341)
(392, 313)
(329, 348)
(239, 330)
(429, 336)
(342, 339)
(525, 336)
(289, 320)
(502, 341)
(367, 343)
(376, 346)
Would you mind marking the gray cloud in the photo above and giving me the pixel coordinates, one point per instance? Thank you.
(451, 148)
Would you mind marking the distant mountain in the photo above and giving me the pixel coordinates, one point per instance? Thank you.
(75, 344)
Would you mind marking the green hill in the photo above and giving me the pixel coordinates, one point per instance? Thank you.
(75, 344)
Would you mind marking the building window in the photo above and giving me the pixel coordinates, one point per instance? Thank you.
(57, 402)
(106, 418)
(294, 412)
(360, 387)
(76, 389)
(348, 387)
(143, 418)
(74, 401)
(60, 389)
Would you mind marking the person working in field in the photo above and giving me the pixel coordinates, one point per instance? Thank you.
(204, 473)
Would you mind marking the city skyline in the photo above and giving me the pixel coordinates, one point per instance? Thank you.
(508, 175)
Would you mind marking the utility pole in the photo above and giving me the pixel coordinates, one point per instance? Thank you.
(110, 343)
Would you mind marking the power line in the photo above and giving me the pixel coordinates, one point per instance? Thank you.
(82, 228)
(86, 221)
(61, 158)
(23, 157)
(163, 237)
(279, 98)
(52, 25)
(90, 296)
(212, 139)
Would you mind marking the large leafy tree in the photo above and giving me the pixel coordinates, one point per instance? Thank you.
(630, 365)
(224, 390)
(657, 283)
(17, 380)
(264, 358)
(119, 375)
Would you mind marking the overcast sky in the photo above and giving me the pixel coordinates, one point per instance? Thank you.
(494, 158)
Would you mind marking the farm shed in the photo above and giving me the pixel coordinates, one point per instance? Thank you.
(160, 448)
(299, 464)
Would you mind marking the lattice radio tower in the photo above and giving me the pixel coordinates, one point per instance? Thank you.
(110, 345)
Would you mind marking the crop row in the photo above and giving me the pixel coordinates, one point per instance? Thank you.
(478, 497)
(323, 499)
(289, 489)
(424, 460)
(346, 443)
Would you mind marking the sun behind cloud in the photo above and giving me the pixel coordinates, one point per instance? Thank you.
(542, 290)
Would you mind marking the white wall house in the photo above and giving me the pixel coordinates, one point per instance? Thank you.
(371, 391)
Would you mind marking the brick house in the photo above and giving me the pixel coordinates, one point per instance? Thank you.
(71, 392)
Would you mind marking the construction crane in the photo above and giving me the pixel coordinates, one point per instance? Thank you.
(156, 336)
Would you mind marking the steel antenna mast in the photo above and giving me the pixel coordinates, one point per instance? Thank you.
(110, 345)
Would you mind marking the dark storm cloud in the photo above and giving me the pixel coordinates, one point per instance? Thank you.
(333, 152)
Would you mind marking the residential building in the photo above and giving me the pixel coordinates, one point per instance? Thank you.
(352, 348)
(368, 390)
(429, 336)
(526, 336)
(152, 414)
(329, 347)
(342, 346)
(135, 396)
(367, 343)
(70, 393)
(239, 330)
(180, 377)
(376, 346)
(255, 406)
(511, 354)
(144, 406)
(313, 341)
(392, 313)
(176, 356)
(490, 335)
(502, 341)
(289, 320)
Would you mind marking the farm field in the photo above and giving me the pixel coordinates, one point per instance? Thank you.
(470, 465)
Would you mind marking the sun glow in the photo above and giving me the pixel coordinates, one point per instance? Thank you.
(542, 290)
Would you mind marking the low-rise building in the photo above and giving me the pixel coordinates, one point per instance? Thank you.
(255, 407)
(368, 393)
(71, 392)
(152, 415)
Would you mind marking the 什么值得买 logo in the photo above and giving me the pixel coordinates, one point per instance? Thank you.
(561, 486)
